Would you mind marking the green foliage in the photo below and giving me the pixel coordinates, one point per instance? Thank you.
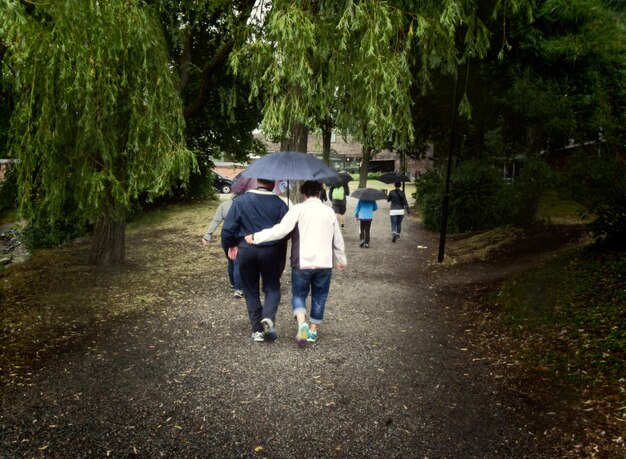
(569, 312)
(597, 181)
(97, 117)
(42, 232)
(524, 194)
(428, 194)
(480, 199)
(357, 62)
(219, 116)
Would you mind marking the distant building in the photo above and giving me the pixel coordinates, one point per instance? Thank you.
(346, 154)
(4, 165)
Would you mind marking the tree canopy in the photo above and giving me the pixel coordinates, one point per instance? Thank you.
(353, 60)
(97, 116)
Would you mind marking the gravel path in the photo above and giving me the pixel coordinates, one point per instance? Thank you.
(390, 376)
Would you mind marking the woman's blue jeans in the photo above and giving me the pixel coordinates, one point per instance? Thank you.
(318, 282)
(396, 223)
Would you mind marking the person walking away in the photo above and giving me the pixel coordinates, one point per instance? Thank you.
(398, 201)
(316, 237)
(233, 266)
(338, 196)
(364, 213)
(323, 195)
(251, 212)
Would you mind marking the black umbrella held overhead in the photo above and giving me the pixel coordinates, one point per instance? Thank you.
(290, 165)
(394, 177)
(343, 179)
(368, 194)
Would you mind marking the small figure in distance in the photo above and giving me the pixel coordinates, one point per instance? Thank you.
(364, 214)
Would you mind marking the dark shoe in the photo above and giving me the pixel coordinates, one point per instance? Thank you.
(269, 332)
(362, 243)
(394, 237)
(367, 246)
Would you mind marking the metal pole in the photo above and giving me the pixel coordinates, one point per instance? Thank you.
(446, 197)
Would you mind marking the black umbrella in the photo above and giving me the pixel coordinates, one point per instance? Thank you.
(343, 179)
(290, 165)
(368, 194)
(394, 177)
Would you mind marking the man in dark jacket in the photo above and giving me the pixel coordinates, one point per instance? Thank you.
(254, 211)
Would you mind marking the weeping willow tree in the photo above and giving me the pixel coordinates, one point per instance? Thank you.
(97, 118)
(355, 62)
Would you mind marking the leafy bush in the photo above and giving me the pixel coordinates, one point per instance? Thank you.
(526, 191)
(597, 181)
(480, 199)
(41, 232)
(428, 192)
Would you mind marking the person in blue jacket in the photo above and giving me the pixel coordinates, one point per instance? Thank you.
(364, 213)
(254, 211)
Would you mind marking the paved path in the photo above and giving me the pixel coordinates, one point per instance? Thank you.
(389, 377)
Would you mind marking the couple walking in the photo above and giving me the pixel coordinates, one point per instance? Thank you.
(255, 233)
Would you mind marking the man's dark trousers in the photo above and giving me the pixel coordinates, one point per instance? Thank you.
(269, 263)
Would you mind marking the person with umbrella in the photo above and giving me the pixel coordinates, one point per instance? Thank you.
(364, 211)
(398, 201)
(316, 237)
(338, 193)
(251, 212)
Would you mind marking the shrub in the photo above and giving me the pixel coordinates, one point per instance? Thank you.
(480, 199)
(597, 181)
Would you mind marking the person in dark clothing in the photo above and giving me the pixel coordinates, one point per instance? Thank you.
(254, 211)
(398, 201)
(337, 195)
(323, 195)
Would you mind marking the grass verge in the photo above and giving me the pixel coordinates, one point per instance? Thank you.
(568, 315)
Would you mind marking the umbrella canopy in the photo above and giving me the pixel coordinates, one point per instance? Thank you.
(290, 165)
(394, 177)
(343, 178)
(368, 194)
(242, 184)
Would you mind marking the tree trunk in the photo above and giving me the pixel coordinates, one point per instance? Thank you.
(296, 140)
(108, 244)
(365, 166)
(327, 131)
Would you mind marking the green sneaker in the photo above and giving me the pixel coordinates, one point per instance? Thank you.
(311, 336)
(303, 334)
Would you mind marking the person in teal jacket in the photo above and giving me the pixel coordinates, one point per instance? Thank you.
(364, 213)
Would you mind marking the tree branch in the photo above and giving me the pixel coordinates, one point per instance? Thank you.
(207, 78)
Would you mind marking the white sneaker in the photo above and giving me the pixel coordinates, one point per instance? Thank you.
(238, 294)
(258, 336)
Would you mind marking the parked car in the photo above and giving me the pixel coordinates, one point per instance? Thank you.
(222, 184)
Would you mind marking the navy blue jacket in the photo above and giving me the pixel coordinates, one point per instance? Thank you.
(253, 211)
